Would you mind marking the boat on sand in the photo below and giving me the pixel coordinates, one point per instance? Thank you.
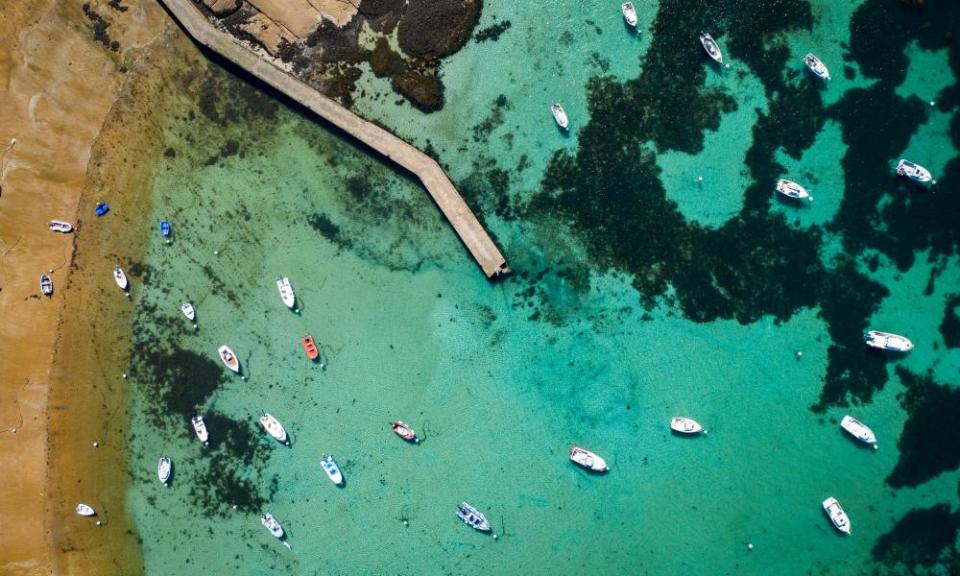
(587, 459)
(46, 285)
(60, 226)
(120, 278)
(85, 510)
(473, 517)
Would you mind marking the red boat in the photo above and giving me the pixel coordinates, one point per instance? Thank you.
(311, 347)
(404, 431)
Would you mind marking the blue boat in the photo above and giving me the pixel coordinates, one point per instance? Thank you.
(165, 227)
(102, 208)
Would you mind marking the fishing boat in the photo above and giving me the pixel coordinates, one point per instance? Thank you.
(711, 46)
(404, 431)
(120, 278)
(101, 208)
(837, 515)
(816, 66)
(629, 13)
(200, 428)
(229, 358)
(286, 292)
(310, 347)
(887, 341)
(188, 311)
(85, 510)
(273, 427)
(165, 228)
(60, 226)
(46, 285)
(164, 467)
(915, 172)
(685, 425)
(560, 115)
(792, 190)
(587, 459)
(858, 430)
(271, 524)
(473, 517)
(331, 468)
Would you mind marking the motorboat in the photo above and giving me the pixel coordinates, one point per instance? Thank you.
(101, 208)
(188, 311)
(331, 468)
(404, 431)
(587, 459)
(120, 278)
(60, 226)
(792, 190)
(85, 510)
(165, 228)
(685, 425)
(858, 430)
(271, 524)
(711, 46)
(200, 428)
(46, 285)
(473, 517)
(915, 172)
(887, 341)
(164, 468)
(229, 358)
(310, 347)
(273, 427)
(286, 292)
(816, 66)
(560, 115)
(629, 13)
(837, 515)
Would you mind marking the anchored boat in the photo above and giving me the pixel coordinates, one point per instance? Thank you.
(286, 292)
(188, 311)
(331, 468)
(685, 425)
(858, 430)
(711, 47)
(629, 13)
(473, 517)
(200, 429)
(792, 190)
(165, 228)
(120, 278)
(587, 459)
(164, 468)
(915, 172)
(310, 347)
(60, 226)
(84, 510)
(887, 341)
(816, 66)
(837, 515)
(273, 427)
(404, 431)
(46, 285)
(101, 208)
(271, 524)
(229, 358)
(560, 115)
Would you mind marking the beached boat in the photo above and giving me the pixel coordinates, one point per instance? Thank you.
(792, 190)
(60, 226)
(404, 431)
(188, 311)
(712, 48)
(816, 66)
(472, 517)
(46, 285)
(310, 347)
(120, 278)
(271, 524)
(286, 292)
(229, 358)
(685, 425)
(164, 468)
(858, 430)
(200, 428)
(915, 172)
(165, 228)
(85, 510)
(887, 341)
(273, 427)
(587, 459)
(629, 13)
(101, 208)
(331, 468)
(560, 115)
(837, 515)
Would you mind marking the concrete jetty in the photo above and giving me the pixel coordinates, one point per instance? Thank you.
(471, 232)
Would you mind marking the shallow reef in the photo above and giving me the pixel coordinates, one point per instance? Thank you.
(923, 541)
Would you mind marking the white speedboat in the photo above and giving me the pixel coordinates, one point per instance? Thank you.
(188, 311)
(120, 278)
(271, 524)
(858, 430)
(200, 428)
(229, 358)
(915, 172)
(837, 515)
(560, 115)
(629, 13)
(286, 292)
(85, 510)
(331, 468)
(60, 226)
(164, 468)
(273, 427)
(887, 341)
(792, 190)
(473, 517)
(712, 48)
(685, 425)
(46, 285)
(587, 459)
(816, 66)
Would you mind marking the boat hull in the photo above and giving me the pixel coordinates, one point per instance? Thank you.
(273, 427)
(792, 190)
(310, 347)
(560, 116)
(629, 13)
(120, 278)
(85, 510)
(271, 524)
(587, 459)
(60, 226)
(46, 285)
(888, 341)
(711, 47)
(286, 292)
(188, 311)
(836, 514)
(404, 431)
(164, 467)
(331, 469)
(473, 517)
(685, 426)
(913, 171)
(229, 358)
(816, 67)
(858, 430)
(200, 429)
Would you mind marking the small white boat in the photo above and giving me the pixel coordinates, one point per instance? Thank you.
(273, 427)
(286, 292)
(712, 48)
(473, 517)
(60, 226)
(629, 13)
(887, 341)
(46, 285)
(915, 172)
(200, 428)
(164, 467)
(858, 430)
(120, 278)
(84, 510)
(331, 468)
(792, 190)
(837, 515)
(271, 524)
(229, 358)
(685, 425)
(816, 66)
(587, 459)
(188, 311)
(560, 115)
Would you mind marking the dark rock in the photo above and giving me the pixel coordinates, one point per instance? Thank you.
(424, 92)
(432, 29)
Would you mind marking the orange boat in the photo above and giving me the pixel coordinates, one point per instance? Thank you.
(404, 431)
(311, 347)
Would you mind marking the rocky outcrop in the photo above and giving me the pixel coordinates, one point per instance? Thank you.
(425, 92)
(297, 16)
(432, 29)
(267, 32)
(223, 7)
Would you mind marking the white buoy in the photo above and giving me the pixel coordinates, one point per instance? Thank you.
(50, 271)
(494, 536)
(14, 430)
(216, 252)
(932, 103)
(799, 354)
(750, 546)
(728, 65)
(406, 523)
(168, 241)
(699, 178)
(124, 375)
(243, 377)
(96, 444)
(99, 523)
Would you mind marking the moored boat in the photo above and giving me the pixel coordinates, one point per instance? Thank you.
(473, 517)
(286, 292)
(331, 468)
(273, 427)
(685, 425)
(816, 66)
(310, 347)
(915, 172)
(711, 47)
(229, 358)
(165, 228)
(404, 431)
(164, 468)
(271, 524)
(629, 13)
(839, 518)
(120, 278)
(85, 510)
(587, 459)
(188, 311)
(200, 428)
(101, 208)
(60, 226)
(560, 115)
(858, 430)
(792, 190)
(46, 285)
(887, 341)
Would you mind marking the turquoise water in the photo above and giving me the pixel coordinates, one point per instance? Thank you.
(500, 379)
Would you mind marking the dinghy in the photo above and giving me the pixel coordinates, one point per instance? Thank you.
(229, 358)
(271, 524)
(165, 228)
(84, 510)
(273, 427)
(46, 285)
(60, 226)
(792, 190)
(915, 172)
(101, 208)
(858, 430)
(310, 347)
(837, 515)
(559, 115)
(200, 428)
(286, 292)
(331, 468)
(473, 517)
(685, 425)
(629, 13)
(188, 311)
(120, 278)
(164, 467)
(404, 431)
(587, 459)
(711, 46)
(818, 68)
(887, 341)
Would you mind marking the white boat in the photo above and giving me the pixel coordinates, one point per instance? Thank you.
(271, 524)
(915, 172)
(84, 510)
(560, 115)
(685, 425)
(587, 459)
(164, 467)
(188, 311)
(229, 358)
(858, 430)
(200, 428)
(711, 46)
(286, 292)
(792, 190)
(46, 285)
(887, 341)
(273, 427)
(816, 66)
(837, 515)
(120, 278)
(60, 226)
(331, 468)
(629, 13)
(473, 517)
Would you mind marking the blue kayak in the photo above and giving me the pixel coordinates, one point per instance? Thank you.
(165, 227)
(102, 208)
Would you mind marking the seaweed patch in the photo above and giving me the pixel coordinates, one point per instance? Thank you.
(923, 541)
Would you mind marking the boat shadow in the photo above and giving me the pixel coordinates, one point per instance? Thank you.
(687, 436)
(792, 202)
